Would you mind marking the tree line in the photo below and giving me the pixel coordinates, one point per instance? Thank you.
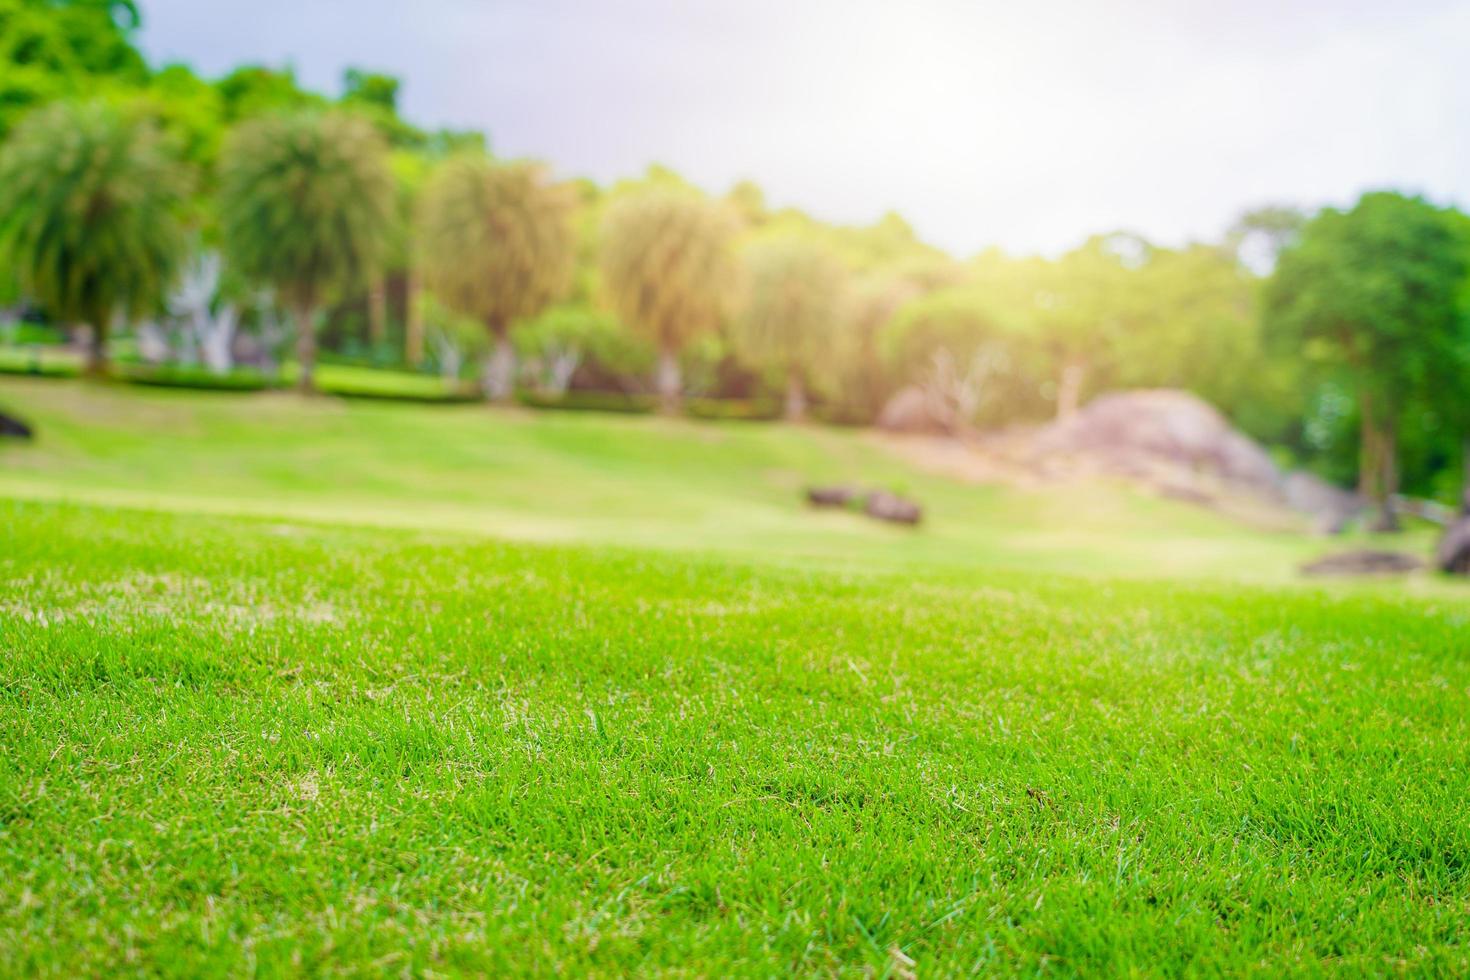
(1340, 337)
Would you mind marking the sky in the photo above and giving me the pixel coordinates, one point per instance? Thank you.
(1027, 124)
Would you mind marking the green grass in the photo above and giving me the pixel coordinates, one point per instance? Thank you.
(683, 725)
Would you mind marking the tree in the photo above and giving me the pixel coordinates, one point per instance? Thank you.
(498, 245)
(869, 304)
(1373, 296)
(964, 356)
(1259, 236)
(53, 49)
(668, 271)
(1079, 307)
(790, 317)
(88, 217)
(410, 172)
(306, 207)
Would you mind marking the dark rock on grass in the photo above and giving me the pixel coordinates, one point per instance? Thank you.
(1453, 553)
(887, 506)
(839, 496)
(1365, 562)
(14, 427)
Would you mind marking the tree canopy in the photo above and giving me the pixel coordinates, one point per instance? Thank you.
(498, 244)
(89, 203)
(668, 270)
(306, 207)
(1374, 297)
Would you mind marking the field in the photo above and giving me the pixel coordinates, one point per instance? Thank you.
(318, 686)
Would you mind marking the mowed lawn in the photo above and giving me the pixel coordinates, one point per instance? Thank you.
(240, 736)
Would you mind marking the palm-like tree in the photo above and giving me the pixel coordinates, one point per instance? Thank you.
(498, 245)
(89, 204)
(306, 207)
(668, 271)
(792, 310)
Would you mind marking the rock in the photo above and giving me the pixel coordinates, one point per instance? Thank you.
(1185, 494)
(14, 427)
(838, 496)
(911, 410)
(1453, 553)
(1331, 507)
(887, 506)
(1133, 431)
(1364, 562)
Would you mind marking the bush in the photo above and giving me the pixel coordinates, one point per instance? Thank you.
(194, 377)
(46, 362)
(360, 382)
(733, 409)
(590, 401)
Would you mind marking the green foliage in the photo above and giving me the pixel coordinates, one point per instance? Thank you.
(497, 239)
(1374, 297)
(51, 49)
(88, 202)
(48, 362)
(1373, 293)
(195, 377)
(667, 263)
(617, 402)
(255, 90)
(375, 96)
(306, 204)
(791, 309)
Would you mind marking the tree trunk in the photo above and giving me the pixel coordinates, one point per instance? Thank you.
(668, 382)
(413, 338)
(377, 304)
(1465, 476)
(795, 397)
(306, 348)
(1069, 388)
(96, 366)
(1377, 464)
(498, 381)
(1388, 479)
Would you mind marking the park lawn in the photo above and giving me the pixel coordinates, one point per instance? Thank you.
(581, 477)
(295, 686)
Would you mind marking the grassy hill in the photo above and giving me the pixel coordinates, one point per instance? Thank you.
(733, 487)
(321, 687)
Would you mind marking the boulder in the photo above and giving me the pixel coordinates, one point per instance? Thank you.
(911, 410)
(1129, 431)
(1332, 508)
(887, 506)
(837, 496)
(1364, 562)
(1453, 553)
(14, 427)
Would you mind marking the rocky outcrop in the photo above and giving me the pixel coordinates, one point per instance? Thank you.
(1136, 432)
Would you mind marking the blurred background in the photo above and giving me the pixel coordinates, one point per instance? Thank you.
(967, 220)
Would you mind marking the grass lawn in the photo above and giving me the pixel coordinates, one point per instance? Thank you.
(361, 688)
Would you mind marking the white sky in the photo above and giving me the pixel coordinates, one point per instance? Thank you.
(1028, 123)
